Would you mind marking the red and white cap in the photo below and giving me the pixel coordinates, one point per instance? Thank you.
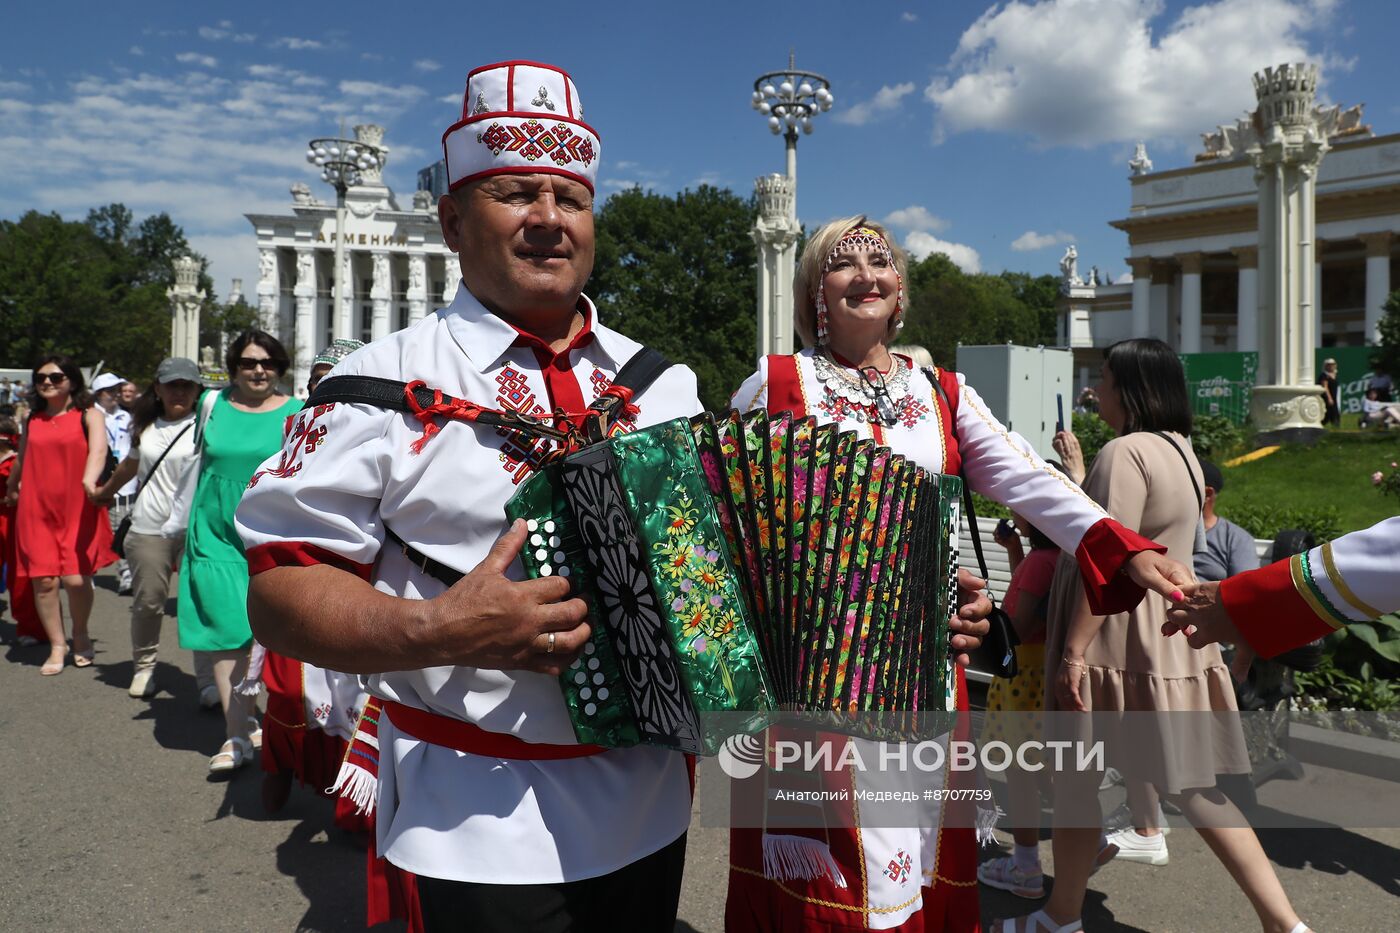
(522, 118)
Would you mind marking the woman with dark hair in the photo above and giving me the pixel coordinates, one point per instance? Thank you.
(63, 538)
(1119, 663)
(238, 428)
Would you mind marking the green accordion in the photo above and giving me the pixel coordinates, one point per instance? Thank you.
(748, 564)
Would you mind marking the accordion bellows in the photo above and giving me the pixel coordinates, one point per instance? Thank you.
(747, 564)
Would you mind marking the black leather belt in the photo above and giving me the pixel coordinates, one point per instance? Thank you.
(433, 568)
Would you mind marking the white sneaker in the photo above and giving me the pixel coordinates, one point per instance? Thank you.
(209, 697)
(124, 583)
(143, 684)
(1132, 847)
(255, 732)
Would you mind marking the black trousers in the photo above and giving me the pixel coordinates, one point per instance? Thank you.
(640, 898)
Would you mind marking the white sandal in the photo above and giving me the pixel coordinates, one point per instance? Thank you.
(231, 756)
(1039, 921)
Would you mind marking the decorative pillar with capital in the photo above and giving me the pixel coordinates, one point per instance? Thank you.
(1142, 294)
(185, 299)
(267, 291)
(379, 292)
(306, 340)
(1192, 265)
(417, 292)
(1286, 405)
(1377, 281)
(775, 231)
(1247, 307)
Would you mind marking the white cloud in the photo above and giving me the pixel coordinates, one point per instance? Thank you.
(224, 30)
(1031, 241)
(1084, 72)
(205, 148)
(908, 17)
(136, 50)
(454, 100)
(427, 64)
(921, 244)
(13, 87)
(295, 44)
(916, 217)
(194, 58)
(885, 100)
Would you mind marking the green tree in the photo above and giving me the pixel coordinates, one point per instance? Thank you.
(948, 306)
(677, 273)
(94, 290)
(1386, 359)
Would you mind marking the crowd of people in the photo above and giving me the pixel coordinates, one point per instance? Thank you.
(352, 556)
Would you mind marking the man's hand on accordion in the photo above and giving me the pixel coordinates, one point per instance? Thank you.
(970, 624)
(488, 621)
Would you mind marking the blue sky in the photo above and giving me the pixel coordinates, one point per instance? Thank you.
(996, 133)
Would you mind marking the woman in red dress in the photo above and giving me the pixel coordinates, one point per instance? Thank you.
(62, 537)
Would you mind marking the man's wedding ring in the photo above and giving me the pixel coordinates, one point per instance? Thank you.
(549, 648)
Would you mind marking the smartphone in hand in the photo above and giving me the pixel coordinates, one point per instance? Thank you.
(1060, 412)
(1004, 528)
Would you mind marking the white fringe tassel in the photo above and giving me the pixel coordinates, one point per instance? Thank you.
(987, 819)
(793, 858)
(358, 785)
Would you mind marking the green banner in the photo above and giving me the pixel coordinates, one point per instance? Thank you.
(1353, 374)
(1220, 383)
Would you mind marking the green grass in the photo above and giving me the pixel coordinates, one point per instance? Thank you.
(1336, 473)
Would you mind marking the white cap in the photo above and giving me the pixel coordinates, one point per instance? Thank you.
(106, 381)
(521, 118)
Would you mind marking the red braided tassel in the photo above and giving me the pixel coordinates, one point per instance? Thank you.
(457, 409)
(625, 395)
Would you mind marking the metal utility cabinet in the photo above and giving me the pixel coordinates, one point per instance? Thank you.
(1019, 385)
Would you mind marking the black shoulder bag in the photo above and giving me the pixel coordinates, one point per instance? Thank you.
(997, 653)
(119, 536)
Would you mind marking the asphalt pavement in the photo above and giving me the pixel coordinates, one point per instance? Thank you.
(110, 821)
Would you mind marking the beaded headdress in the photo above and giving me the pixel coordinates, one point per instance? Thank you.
(858, 239)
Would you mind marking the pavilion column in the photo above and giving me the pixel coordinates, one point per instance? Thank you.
(1247, 307)
(305, 339)
(268, 317)
(417, 292)
(1377, 281)
(1142, 293)
(1192, 264)
(379, 292)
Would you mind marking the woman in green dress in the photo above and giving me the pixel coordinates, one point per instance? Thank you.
(239, 428)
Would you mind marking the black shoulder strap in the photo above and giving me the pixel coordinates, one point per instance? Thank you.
(1200, 500)
(636, 374)
(962, 474)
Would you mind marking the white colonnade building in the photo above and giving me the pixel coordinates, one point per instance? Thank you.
(1194, 247)
(397, 268)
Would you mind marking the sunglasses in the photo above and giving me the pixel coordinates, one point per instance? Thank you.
(248, 364)
(53, 379)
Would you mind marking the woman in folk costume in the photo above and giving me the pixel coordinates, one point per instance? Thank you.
(311, 711)
(1355, 578)
(849, 305)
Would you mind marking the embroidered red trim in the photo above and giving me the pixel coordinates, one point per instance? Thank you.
(1268, 610)
(299, 554)
(473, 740)
(1101, 554)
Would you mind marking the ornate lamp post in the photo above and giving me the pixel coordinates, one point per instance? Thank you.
(343, 163)
(789, 99)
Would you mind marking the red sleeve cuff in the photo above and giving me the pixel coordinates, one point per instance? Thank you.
(1269, 611)
(299, 554)
(1101, 554)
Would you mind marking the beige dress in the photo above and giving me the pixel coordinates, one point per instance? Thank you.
(1132, 667)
